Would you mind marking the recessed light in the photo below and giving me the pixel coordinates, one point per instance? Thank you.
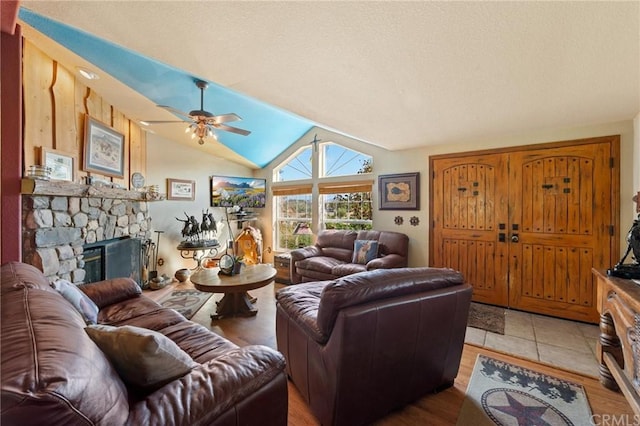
(88, 74)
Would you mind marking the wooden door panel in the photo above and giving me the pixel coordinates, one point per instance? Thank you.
(560, 203)
(471, 198)
(559, 199)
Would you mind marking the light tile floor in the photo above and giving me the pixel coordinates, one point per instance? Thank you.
(561, 343)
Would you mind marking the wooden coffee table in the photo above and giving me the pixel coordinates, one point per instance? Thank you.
(236, 301)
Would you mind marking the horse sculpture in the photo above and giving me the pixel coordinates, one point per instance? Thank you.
(191, 229)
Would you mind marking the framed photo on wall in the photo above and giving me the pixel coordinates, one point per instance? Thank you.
(63, 165)
(103, 149)
(179, 189)
(399, 191)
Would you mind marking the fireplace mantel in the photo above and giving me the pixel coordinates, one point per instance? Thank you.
(70, 189)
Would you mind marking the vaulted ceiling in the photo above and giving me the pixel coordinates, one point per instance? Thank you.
(395, 74)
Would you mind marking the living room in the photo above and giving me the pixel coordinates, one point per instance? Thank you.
(156, 156)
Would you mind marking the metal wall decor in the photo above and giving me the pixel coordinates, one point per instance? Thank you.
(414, 221)
(398, 220)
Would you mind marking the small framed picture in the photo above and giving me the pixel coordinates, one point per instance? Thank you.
(103, 149)
(179, 189)
(399, 191)
(63, 165)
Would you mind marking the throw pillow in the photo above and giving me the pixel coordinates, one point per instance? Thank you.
(78, 299)
(142, 357)
(364, 251)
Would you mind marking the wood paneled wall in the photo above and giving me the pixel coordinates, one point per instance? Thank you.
(55, 104)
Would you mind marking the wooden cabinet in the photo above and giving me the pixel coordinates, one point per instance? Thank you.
(282, 263)
(525, 226)
(618, 348)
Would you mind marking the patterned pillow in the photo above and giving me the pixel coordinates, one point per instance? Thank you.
(142, 357)
(364, 251)
(78, 299)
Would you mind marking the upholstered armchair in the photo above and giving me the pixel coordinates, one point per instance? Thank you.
(363, 345)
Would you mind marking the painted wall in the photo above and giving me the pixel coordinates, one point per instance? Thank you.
(636, 153)
(417, 160)
(166, 159)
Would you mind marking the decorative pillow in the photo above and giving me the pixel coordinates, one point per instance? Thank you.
(142, 357)
(78, 299)
(364, 251)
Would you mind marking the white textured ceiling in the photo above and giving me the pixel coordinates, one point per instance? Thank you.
(395, 74)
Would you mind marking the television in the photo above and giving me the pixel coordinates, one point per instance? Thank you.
(244, 192)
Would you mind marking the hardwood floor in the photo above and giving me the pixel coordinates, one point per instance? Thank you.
(434, 409)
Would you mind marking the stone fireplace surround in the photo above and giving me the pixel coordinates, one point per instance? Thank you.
(57, 223)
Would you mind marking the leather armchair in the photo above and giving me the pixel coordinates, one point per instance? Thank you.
(332, 255)
(363, 345)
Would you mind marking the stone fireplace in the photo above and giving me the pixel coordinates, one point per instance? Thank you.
(58, 223)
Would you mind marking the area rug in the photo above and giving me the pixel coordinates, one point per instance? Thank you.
(486, 317)
(500, 393)
(187, 302)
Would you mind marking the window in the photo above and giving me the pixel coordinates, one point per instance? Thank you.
(319, 200)
(296, 168)
(347, 211)
(336, 160)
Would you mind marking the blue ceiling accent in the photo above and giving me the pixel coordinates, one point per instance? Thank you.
(272, 129)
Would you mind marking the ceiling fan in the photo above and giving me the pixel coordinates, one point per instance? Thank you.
(203, 122)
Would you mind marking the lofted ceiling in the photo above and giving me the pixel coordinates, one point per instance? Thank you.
(394, 74)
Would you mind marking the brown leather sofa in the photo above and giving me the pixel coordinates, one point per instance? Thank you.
(53, 373)
(331, 256)
(363, 345)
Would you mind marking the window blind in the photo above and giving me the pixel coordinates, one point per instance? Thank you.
(345, 187)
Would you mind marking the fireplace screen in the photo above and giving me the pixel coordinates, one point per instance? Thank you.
(114, 258)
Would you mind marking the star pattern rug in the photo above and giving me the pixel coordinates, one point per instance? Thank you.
(500, 393)
(187, 302)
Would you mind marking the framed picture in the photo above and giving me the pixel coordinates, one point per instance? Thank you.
(64, 165)
(399, 191)
(103, 149)
(178, 189)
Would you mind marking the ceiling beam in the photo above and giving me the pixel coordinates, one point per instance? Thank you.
(9, 15)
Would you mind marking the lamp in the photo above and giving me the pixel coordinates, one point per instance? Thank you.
(302, 228)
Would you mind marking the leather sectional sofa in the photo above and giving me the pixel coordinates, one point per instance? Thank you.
(363, 345)
(54, 373)
(332, 256)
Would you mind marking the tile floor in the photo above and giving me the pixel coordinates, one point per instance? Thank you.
(561, 343)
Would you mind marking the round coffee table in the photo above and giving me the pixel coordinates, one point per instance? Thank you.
(236, 301)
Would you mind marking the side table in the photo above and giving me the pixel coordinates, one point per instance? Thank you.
(618, 349)
(282, 263)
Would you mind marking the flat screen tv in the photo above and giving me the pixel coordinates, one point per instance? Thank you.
(245, 192)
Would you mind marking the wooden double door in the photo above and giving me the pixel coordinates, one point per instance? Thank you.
(526, 226)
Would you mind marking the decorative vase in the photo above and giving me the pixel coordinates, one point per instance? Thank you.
(182, 275)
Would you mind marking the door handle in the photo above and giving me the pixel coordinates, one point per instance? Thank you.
(515, 238)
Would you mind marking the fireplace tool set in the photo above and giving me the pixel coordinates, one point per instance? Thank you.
(150, 278)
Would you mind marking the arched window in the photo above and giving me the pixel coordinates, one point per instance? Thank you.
(323, 186)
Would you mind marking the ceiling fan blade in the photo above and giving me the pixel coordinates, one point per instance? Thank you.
(175, 111)
(232, 129)
(225, 118)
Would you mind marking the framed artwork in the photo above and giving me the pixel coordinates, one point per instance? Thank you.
(399, 191)
(103, 149)
(63, 165)
(178, 189)
(227, 191)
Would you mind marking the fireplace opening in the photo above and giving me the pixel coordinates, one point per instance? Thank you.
(118, 257)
